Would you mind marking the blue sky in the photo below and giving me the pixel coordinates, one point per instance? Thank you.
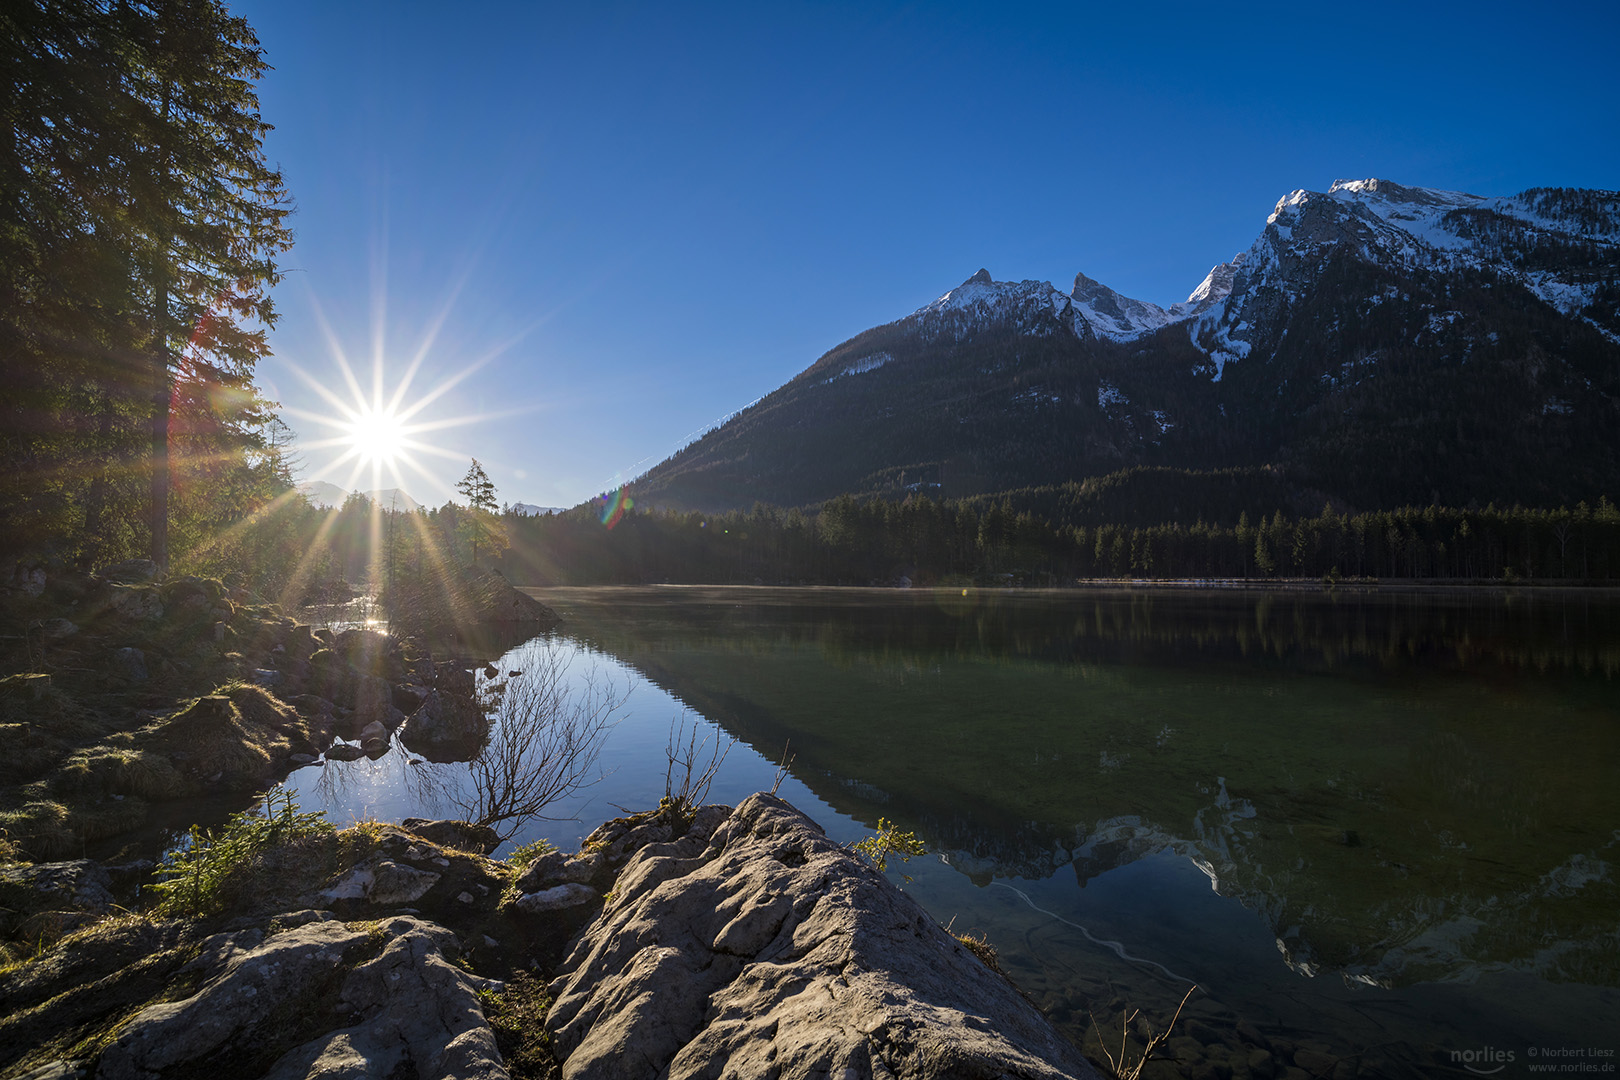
(636, 218)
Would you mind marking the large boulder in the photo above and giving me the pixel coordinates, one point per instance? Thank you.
(766, 949)
(52, 896)
(400, 1002)
(445, 727)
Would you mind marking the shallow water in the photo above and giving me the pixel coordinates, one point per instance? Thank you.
(1378, 827)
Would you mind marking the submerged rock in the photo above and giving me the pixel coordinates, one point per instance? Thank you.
(766, 949)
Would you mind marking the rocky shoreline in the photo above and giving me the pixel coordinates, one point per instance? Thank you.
(130, 691)
(684, 941)
(681, 942)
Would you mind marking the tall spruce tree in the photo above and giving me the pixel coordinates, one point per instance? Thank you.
(211, 211)
(138, 240)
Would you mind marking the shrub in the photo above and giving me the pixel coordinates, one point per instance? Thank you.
(521, 857)
(191, 880)
(889, 841)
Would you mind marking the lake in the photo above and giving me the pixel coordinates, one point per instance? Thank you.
(1376, 827)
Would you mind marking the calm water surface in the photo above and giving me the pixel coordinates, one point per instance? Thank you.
(1382, 826)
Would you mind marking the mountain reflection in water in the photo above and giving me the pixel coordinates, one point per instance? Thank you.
(1404, 787)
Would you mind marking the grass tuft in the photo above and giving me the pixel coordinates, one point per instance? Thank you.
(518, 1016)
(522, 857)
(192, 881)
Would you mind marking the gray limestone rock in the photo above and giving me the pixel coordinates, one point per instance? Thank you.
(79, 886)
(402, 1004)
(556, 898)
(766, 949)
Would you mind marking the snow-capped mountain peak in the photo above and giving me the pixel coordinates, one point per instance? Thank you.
(1035, 307)
(1112, 315)
(1216, 286)
(1524, 239)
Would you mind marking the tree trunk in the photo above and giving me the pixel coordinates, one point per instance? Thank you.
(162, 391)
(95, 500)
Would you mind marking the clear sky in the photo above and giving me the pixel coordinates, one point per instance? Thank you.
(638, 218)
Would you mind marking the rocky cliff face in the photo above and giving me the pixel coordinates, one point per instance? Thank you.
(764, 949)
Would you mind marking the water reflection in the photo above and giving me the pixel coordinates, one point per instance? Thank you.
(1406, 788)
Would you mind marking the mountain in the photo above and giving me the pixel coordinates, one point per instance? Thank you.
(327, 495)
(1377, 344)
(522, 509)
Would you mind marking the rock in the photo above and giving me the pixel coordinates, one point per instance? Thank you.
(312, 705)
(770, 950)
(134, 602)
(269, 678)
(27, 687)
(344, 752)
(1315, 1062)
(28, 580)
(300, 642)
(383, 882)
(130, 572)
(373, 736)
(494, 600)
(77, 886)
(298, 761)
(396, 884)
(1251, 1034)
(453, 679)
(461, 835)
(555, 899)
(366, 651)
(543, 873)
(421, 1017)
(444, 722)
(190, 594)
(57, 629)
(1261, 1065)
(403, 1005)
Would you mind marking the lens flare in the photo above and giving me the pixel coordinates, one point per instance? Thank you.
(611, 506)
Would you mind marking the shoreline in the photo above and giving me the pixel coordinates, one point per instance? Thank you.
(696, 940)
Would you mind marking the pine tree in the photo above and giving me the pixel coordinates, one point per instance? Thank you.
(479, 525)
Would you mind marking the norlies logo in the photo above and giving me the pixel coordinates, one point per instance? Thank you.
(1485, 1061)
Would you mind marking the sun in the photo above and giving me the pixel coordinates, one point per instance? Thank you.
(376, 436)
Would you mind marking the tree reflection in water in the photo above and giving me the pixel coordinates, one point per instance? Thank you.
(548, 726)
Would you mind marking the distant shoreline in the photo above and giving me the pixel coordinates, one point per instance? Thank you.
(1132, 585)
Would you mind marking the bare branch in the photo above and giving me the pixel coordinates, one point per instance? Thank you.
(683, 789)
(544, 742)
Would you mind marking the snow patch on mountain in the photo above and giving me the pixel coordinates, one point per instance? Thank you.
(869, 362)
